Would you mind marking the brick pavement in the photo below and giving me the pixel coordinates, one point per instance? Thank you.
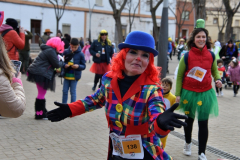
(86, 136)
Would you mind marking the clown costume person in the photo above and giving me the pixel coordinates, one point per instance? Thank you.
(133, 102)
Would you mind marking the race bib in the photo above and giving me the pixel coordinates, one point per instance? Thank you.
(103, 50)
(197, 73)
(221, 73)
(129, 147)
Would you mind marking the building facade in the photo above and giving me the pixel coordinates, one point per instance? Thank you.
(38, 15)
(185, 18)
(216, 15)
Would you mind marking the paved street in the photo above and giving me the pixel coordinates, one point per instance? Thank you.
(86, 137)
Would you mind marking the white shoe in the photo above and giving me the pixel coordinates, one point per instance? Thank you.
(187, 149)
(217, 94)
(202, 157)
(221, 93)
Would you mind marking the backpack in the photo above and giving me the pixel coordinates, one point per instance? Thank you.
(4, 33)
(186, 58)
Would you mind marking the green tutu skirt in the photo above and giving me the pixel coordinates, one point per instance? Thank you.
(204, 104)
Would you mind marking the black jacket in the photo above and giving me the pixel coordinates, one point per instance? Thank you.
(223, 52)
(97, 46)
(45, 63)
(78, 58)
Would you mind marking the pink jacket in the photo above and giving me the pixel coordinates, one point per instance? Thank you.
(85, 47)
(234, 74)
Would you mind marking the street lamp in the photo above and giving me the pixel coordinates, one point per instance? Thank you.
(90, 16)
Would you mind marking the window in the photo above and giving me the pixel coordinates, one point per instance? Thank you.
(66, 28)
(124, 30)
(185, 15)
(98, 2)
(184, 33)
(237, 22)
(68, 1)
(148, 6)
(215, 20)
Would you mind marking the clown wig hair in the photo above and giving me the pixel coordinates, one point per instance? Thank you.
(56, 43)
(118, 66)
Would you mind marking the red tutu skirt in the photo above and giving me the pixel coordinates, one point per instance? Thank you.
(100, 68)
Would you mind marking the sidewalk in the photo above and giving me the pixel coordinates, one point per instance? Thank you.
(85, 137)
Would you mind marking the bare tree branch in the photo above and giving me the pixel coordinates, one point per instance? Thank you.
(59, 10)
(182, 8)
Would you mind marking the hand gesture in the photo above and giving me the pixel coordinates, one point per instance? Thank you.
(60, 113)
(98, 55)
(218, 84)
(66, 66)
(21, 30)
(178, 99)
(19, 76)
(58, 70)
(168, 120)
(75, 66)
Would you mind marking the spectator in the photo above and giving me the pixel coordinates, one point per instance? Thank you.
(59, 34)
(86, 52)
(42, 72)
(24, 53)
(74, 64)
(89, 40)
(12, 98)
(12, 40)
(66, 39)
(81, 42)
(45, 37)
(102, 51)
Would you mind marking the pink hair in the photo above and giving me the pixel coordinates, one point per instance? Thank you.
(56, 43)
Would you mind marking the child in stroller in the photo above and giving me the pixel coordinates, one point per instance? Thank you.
(227, 80)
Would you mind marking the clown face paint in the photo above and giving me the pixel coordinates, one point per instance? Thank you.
(136, 62)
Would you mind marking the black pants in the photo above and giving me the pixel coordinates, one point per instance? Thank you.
(96, 79)
(170, 55)
(24, 58)
(217, 89)
(235, 88)
(202, 134)
(174, 50)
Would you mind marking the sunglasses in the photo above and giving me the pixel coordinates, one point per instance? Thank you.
(103, 34)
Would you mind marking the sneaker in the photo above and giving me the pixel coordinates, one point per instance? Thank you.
(187, 149)
(94, 87)
(221, 93)
(202, 157)
(217, 94)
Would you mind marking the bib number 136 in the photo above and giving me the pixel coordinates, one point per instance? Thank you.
(131, 146)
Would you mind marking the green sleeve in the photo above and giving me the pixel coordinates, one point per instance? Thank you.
(180, 74)
(215, 72)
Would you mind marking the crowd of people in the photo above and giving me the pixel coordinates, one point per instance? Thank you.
(139, 106)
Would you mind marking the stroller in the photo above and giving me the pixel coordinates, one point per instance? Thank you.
(226, 78)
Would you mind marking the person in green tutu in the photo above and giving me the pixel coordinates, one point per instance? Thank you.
(194, 91)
